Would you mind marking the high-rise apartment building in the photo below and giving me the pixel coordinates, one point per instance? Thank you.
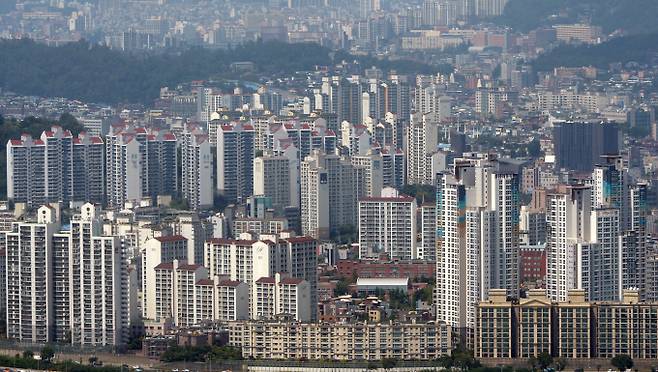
(70, 286)
(276, 177)
(235, 160)
(139, 165)
(55, 168)
(273, 296)
(30, 287)
(99, 287)
(387, 225)
(422, 141)
(372, 164)
(329, 193)
(155, 251)
(248, 260)
(477, 224)
(197, 164)
(568, 222)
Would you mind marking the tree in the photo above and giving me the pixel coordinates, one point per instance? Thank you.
(225, 353)
(534, 148)
(545, 360)
(389, 363)
(561, 364)
(445, 361)
(425, 294)
(622, 362)
(92, 360)
(28, 354)
(47, 354)
(373, 364)
(342, 287)
(180, 204)
(533, 362)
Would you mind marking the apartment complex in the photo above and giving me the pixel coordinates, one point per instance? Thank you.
(276, 177)
(139, 164)
(282, 296)
(572, 328)
(57, 167)
(341, 341)
(477, 215)
(329, 194)
(52, 274)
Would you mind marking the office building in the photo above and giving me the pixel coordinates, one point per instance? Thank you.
(579, 146)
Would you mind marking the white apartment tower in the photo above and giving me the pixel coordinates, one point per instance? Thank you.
(282, 296)
(30, 287)
(427, 248)
(504, 201)
(422, 141)
(329, 193)
(387, 225)
(154, 252)
(197, 163)
(373, 166)
(477, 246)
(97, 266)
(139, 164)
(55, 168)
(277, 177)
(568, 222)
(248, 260)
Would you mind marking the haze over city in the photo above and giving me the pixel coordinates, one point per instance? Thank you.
(328, 185)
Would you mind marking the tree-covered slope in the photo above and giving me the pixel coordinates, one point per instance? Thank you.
(631, 16)
(97, 74)
(635, 48)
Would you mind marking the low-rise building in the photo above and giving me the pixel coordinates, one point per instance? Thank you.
(572, 328)
(341, 341)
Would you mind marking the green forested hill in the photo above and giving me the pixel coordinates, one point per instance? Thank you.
(97, 74)
(636, 48)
